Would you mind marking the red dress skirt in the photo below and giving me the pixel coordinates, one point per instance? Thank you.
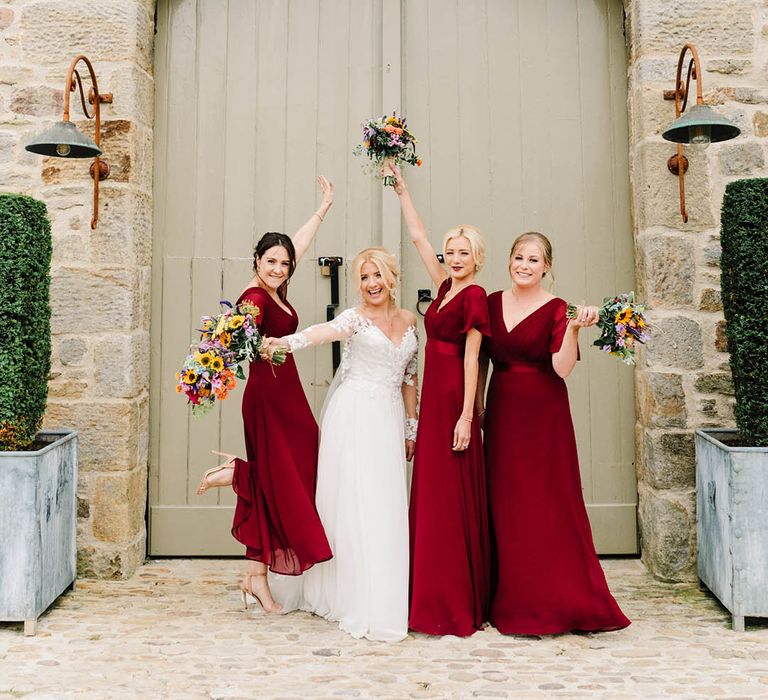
(450, 559)
(275, 516)
(547, 578)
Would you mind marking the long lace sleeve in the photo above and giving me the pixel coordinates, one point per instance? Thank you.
(412, 369)
(342, 327)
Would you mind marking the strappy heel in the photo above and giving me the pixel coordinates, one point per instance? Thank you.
(246, 588)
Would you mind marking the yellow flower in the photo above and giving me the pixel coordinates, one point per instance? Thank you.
(225, 339)
(190, 377)
(624, 316)
(217, 364)
(235, 322)
(204, 359)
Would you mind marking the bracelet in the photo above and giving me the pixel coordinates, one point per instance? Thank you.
(469, 420)
(318, 216)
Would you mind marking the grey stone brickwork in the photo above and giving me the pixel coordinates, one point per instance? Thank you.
(683, 380)
(100, 279)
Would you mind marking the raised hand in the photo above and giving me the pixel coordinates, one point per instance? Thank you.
(391, 169)
(585, 316)
(327, 188)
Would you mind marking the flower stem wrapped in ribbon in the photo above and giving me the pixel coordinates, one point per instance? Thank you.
(622, 325)
(388, 138)
(214, 365)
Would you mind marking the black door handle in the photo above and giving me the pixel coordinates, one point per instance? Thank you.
(329, 267)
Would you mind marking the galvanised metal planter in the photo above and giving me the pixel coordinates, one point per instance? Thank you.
(38, 525)
(732, 523)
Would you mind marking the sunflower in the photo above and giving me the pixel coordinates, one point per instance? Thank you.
(204, 358)
(225, 339)
(235, 322)
(217, 364)
(624, 316)
(190, 376)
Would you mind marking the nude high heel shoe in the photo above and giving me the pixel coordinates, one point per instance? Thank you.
(247, 589)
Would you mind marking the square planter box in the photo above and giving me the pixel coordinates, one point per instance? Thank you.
(732, 523)
(38, 524)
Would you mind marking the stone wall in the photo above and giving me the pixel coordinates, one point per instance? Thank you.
(683, 380)
(100, 279)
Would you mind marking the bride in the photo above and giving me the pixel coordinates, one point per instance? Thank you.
(367, 432)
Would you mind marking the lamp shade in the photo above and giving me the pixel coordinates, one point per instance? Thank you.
(63, 140)
(700, 119)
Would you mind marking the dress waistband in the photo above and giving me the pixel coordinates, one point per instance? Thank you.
(520, 366)
(445, 348)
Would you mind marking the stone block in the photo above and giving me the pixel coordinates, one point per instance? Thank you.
(124, 234)
(728, 66)
(710, 300)
(714, 383)
(667, 534)
(94, 301)
(69, 350)
(666, 265)
(742, 159)
(721, 342)
(108, 431)
(8, 142)
(83, 508)
(37, 101)
(71, 384)
(760, 124)
(6, 17)
(657, 190)
(118, 562)
(661, 399)
(112, 30)
(118, 505)
(670, 462)
(720, 27)
(712, 253)
(134, 93)
(676, 343)
(16, 75)
(121, 365)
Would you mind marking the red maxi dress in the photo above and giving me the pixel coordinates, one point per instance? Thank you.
(275, 516)
(450, 557)
(547, 578)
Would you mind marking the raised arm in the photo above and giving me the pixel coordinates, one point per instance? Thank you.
(564, 360)
(302, 239)
(415, 226)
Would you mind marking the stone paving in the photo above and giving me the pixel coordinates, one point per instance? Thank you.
(175, 630)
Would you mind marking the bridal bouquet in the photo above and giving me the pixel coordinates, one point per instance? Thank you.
(622, 324)
(388, 138)
(213, 366)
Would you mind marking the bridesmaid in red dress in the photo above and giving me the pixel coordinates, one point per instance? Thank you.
(450, 557)
(275, 516)
(547, 578)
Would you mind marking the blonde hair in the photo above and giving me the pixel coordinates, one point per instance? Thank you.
(541, 239)
(475, 238)
(385, 262)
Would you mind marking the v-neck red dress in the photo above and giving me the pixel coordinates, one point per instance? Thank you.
(450, 557)
(275, 516)
(547, 578)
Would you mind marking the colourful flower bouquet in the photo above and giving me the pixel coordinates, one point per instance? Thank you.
(388, 138)
(623, 325)
(213, 367)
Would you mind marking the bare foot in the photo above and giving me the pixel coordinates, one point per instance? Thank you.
(256, 586)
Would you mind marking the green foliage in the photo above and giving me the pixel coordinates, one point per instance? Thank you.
(745, 301)
(25, 318)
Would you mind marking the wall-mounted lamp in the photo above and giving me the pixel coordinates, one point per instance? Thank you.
(701, 125)
(63, 140)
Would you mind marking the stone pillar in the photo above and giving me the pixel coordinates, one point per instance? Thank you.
(100, 279)
(683, 379)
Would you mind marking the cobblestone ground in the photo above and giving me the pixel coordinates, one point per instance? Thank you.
(175, 630)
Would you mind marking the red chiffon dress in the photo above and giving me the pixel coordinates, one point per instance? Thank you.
(275, 516)
(450, 558)
(547, 578)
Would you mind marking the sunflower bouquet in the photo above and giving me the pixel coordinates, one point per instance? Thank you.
(214, 365)
(388, 138)
(622, 324)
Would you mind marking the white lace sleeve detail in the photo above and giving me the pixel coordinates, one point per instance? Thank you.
(412, 367)
(347, 322)
(411, 428)
(297, 341)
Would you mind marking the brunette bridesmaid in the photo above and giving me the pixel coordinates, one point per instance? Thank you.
(547, 578)
(275, 516)
(450, 558)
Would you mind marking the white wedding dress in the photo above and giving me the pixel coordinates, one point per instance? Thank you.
(362, 494)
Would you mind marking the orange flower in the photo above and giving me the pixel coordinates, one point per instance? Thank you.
(397, 131)
(178, 388)
(418, 162)
(390, 129)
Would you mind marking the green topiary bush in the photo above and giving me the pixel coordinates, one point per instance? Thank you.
(744, 239)
(25, 318)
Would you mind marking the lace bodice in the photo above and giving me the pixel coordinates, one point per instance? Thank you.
(369, 355)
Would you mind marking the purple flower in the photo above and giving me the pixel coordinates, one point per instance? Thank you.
(620, 342)
(620, 328)
(606, 348)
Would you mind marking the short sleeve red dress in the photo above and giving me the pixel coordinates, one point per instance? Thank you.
(450, 558)
(275, 516)
(547, 578)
